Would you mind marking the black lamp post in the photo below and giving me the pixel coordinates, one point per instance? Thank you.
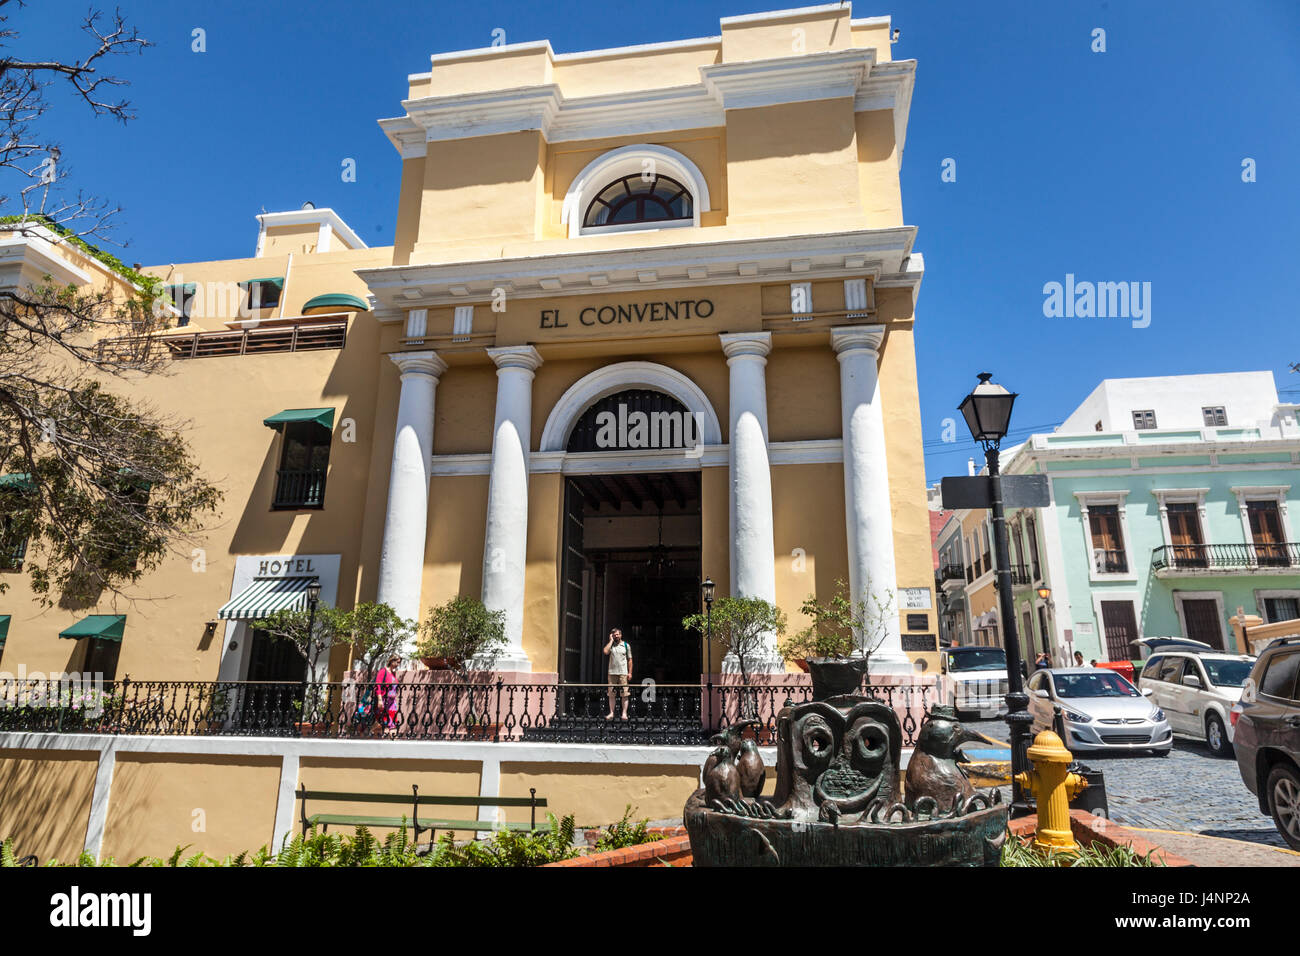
(987, 411)
(313, 598)
(706, 589)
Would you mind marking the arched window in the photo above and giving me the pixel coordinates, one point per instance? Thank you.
(634, 188)
(633, 419)
(639, 198)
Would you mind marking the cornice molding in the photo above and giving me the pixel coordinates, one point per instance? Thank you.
(723, 86)
(883, 254)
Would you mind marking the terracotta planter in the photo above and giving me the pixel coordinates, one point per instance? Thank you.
(802, 665)
(482, 731)
(438, 663)
(310, 729)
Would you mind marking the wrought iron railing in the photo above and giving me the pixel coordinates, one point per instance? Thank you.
(1020, 575)
(1225, 557)
(472, 710)
(1109, 561)
(299, 489)
(951, 572)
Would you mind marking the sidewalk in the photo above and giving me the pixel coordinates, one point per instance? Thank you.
(1218, 851)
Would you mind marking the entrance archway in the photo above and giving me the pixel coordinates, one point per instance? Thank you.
(631, 560)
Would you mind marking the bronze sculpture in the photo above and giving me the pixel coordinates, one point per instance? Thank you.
(837, 801)
(935, 768)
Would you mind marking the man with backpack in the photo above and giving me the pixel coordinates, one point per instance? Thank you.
(620, 669)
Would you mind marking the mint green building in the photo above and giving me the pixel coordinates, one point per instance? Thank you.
(1171, 503)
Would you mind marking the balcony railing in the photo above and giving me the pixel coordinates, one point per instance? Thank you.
(951, 572)
(299, 489)
(487, 710)
(1020, 576)
(1107, 561)
(276, 338)
(1225, 557)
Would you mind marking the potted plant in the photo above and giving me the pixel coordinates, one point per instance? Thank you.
(311, 634)
(463, 634)
(741, 627)
(836, 647)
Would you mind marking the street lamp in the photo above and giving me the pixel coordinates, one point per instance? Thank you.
(706, 589)
(987, 410)
(313, 598)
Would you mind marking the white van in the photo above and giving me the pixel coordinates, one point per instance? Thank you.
(975, 679)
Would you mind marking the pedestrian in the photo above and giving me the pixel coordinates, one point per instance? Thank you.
(1042, 661)
(386, 694)
(1092, 663)
(620, 670)
(1078, 658)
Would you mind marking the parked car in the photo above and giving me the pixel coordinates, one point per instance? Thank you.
(976, 679)
(1196, 691)
(1100, 711)
(1267, 735)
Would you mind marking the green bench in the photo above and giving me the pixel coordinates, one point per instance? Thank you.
(414, 801)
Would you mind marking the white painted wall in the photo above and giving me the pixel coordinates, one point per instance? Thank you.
(1250, 398)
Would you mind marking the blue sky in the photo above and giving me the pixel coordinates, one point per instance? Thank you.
(1117, 166)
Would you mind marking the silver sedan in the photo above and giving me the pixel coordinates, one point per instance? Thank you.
(1099, 710)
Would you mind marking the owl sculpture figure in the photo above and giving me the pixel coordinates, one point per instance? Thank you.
(835, 758)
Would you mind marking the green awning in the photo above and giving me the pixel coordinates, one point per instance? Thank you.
(321, 416)
(19, 479)
(189, 288)
(4, 628)
(264, 597)
(106, 627)
(338, 300)
(277, 281)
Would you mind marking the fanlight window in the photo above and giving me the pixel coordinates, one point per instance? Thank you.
(637, 199)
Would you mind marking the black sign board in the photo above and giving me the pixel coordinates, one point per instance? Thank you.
(919, 642)
(1018, 491)
(917, 622)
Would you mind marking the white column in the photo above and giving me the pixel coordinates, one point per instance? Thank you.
(753, 559)
(868, 513)
(506, 540)
(401, 561)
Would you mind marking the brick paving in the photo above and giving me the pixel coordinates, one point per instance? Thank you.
(1189, 790)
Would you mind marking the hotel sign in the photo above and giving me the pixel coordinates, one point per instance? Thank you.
(630, 314)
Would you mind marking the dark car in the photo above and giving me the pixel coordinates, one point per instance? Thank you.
(1266, 734)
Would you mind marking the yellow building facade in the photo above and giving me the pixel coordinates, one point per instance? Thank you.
(467, 355)
(647, 317)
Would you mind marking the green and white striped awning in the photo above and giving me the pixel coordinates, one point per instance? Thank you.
(264, 597)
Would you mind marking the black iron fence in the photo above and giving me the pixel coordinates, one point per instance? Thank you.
(486, 710)
(1226, 557)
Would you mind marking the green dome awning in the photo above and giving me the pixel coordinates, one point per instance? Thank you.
(321, 416)
(4, 628)
(106, 627)
(336, 300)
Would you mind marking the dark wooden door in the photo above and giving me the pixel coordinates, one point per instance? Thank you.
(1185, 535)
(1266, 531)
(572, 572)
(1119, 622)
(1201, 618)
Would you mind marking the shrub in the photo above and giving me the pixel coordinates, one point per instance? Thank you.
(626, 833)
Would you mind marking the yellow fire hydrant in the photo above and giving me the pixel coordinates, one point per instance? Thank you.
(1053, 788)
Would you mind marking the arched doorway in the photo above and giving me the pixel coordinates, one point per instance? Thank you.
(631, 539)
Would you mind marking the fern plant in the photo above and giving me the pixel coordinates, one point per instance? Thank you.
(626, 833)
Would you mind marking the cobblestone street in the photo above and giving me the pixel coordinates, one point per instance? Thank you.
(1189, 790)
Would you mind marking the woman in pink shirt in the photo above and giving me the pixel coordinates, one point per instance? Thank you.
(386, 693)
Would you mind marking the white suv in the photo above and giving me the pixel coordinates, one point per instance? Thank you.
(1196, 692)
(976, 679)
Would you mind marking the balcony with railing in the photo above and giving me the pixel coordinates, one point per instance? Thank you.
(1192, 560)
(950, 574)
(305, 336)
(488, 710)
(1020, 575)
(1109, 561)
(299, 489)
